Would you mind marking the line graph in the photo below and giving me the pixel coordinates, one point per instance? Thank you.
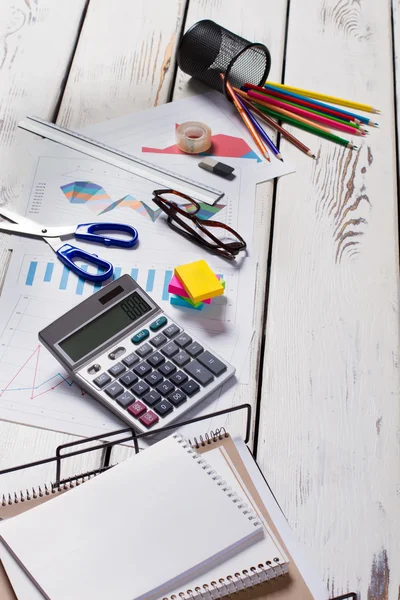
(33, 387)
(36, 355)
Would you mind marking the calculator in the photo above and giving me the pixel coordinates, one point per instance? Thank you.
(122, 349)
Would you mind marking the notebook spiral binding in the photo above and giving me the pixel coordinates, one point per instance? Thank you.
(238, 581)
(209, 438)
(46, 490)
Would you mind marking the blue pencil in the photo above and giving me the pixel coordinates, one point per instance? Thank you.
(261, 131)
(360, 118)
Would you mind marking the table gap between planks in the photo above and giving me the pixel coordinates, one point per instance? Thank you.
(328, 422)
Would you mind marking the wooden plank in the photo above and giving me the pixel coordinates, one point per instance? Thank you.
(245, 21)
(124, 60)
(123, 63)
(31, 77)
(329, 420)
(31, 81)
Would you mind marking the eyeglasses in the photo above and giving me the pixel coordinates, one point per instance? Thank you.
(182, 212)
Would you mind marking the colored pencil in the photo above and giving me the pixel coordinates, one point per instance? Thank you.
(261, 131)
(243, 94)
(325, 97)
(290, 102)
(355, 116)
(305, 113)
(309, 128)
(291, 138)
(247, 121)
(306, 102)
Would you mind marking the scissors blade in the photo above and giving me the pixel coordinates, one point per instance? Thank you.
(54, 243)
(19, 224)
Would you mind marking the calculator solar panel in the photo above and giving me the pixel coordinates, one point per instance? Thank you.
(136, 360)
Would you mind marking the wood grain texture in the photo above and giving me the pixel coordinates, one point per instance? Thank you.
(329, 422)
(31, 76)
(124, 61)
(245, 20)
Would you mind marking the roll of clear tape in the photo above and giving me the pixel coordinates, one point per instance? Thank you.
(193, 137)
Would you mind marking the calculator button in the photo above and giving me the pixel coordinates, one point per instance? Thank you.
(171, 330)
(190, 388)
(167, 369)
(154, 378)
(158, 340)
(199, 372)
(125, 399)
(179, 378)
(163, 408)
(212, 363)
(149, 419)
(158, 323)
(140, 388)
(102, 380)
(151, 398)
(114, 390)
(142, 369)
(144, 350)
(181, 359)
(117, 353)
(140, 336)
(170, 349)
(128, 379)
(194, 349)
(165, 388)
(177, 397)
(94, 369)
(117, 369)
(137, 408)
(156, 359)
(183, 340)
(130, 360)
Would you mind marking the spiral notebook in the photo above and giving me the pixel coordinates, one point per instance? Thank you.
(143, 512)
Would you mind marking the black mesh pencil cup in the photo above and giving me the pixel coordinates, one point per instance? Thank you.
(207, 49)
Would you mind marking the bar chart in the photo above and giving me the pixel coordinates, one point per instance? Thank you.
(40, 272)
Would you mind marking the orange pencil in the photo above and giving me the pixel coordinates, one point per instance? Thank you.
(262, 147)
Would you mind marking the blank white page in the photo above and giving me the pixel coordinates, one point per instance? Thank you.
(131, 532)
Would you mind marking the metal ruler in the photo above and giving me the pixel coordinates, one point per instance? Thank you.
(156, 174)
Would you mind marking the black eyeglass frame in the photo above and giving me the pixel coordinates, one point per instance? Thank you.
(173, 211)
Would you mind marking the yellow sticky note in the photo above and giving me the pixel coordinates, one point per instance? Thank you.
(199, 281)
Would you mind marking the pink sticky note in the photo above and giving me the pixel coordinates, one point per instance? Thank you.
(175, 287)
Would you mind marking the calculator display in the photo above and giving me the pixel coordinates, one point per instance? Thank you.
(94, 334)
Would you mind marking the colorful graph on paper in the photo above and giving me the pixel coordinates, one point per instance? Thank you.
(153, 280)
(96, 199)
(221, 145)
(32, 381)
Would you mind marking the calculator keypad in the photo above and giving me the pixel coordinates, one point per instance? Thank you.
(165, 369)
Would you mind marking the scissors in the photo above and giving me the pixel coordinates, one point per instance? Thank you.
(68, 253)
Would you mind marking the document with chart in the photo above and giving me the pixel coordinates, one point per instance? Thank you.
(66, 187)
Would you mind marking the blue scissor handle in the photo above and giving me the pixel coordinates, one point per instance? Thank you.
(87, 231)
(67, 253)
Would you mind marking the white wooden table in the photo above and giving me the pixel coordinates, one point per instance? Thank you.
(326, 429)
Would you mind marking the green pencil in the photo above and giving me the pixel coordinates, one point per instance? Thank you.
(309, 128)
(321, 114)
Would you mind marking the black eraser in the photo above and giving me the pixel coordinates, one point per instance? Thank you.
(214, 166)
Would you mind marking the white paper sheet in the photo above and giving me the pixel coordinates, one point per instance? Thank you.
(66, 187)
